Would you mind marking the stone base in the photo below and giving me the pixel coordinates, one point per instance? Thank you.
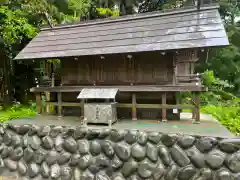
(60, 150)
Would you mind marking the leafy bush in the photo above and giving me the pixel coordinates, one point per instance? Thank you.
(17, 111)
(228, 115)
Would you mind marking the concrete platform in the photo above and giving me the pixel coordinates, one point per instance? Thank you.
(208, 126)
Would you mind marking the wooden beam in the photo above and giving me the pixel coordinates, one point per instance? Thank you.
(59, 95)
(164, 110)
(134, 107)
(129, 105)
(38, 103)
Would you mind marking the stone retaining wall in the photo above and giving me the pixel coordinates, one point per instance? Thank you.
(57, 152)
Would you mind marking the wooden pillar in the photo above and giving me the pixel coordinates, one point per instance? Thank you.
(134, 107)
(174, 70)
(178, 102)
(164, 110)
(38, 102)
(197, 108)
(194, 104)
(59, 95)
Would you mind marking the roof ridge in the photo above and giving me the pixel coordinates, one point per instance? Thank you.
(131, 17)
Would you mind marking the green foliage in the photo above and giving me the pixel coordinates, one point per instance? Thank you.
(228, 114)
(14, 26)
(107, 12)
(17, 111)
(79, 7)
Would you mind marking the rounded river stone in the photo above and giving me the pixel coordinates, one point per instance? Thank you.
(107, 148)
(104, 133)
(123, 151)
(84, 162)
(45, 170)
(33, 170)
(101, 176)
(154, 137)
(68, 132)
(87, 175)
(94, 169)
(179, 156)
(83, 146)
(95, 148)
(92, 134)
(205, 144)
(39, 156)
(7, 138)
(23, 129)
(196, 157)
(70, 145)
(224, 174)
(152, 152)
(138, 152)
(6, 152)
(55, 131)
(47, 142)
(142, 138)
(186, 141)
(172, 172)
(233, 162)
(52, 157)
(129, 168)
(131, 136)
(59, 143)
(16, 141)
(34, 142)
(117, 135)
(164, 155)
(55, 171)
(215, 159)
(228, 147)
(169, 139)
(144, 170)
(28, 154)
(63, 158)
(16, 154)
(66, 173)
(102, 161)
(74, 159)
(187, 173)
(204, 173)
(116, 163)
(11, 165)
(22, 168)
(80, 132)
(33, 130)
(118, 176)
(158, 171)
(44, 131)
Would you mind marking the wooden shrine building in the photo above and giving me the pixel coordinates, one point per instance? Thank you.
(148, 57)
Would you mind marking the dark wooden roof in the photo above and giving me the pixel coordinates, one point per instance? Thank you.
(177, 29)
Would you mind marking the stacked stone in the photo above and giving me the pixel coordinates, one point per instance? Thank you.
(56, 152)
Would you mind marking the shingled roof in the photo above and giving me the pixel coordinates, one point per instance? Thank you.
(177, 29)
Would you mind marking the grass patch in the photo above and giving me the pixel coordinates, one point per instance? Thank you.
(16, 113)
(229, 116)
